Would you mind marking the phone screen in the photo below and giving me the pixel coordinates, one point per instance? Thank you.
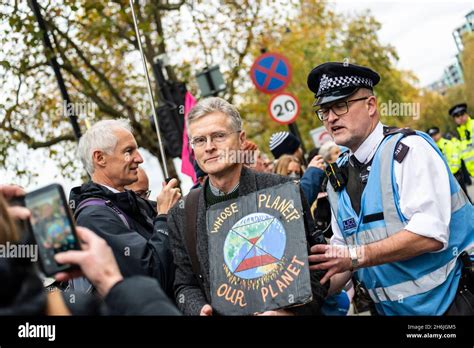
(52, 226)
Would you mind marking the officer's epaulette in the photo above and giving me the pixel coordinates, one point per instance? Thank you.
(402, 149)
(400, 152)
(394, 130)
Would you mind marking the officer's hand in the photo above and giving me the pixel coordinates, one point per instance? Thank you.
(317, 162)
(333, 258)
(206, 310)
(168, 196)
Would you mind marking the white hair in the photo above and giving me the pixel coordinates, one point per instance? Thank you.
(101, 136)
(215, 104)
(326, 148)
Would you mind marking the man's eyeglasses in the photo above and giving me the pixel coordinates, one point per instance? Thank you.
(217, 137)
(339, 108)
(143, 194)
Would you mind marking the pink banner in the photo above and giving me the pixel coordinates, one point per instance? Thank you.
(187, 156)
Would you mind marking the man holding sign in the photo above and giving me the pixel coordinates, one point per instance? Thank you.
(235, 251)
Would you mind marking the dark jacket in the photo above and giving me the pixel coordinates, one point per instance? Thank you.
(139, 295)
(21, 291)
(311, 183)
(142, 249)
(188, 294)
(22, 294)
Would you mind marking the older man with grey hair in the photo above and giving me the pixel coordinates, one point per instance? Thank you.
(215, 130)
(136, 232)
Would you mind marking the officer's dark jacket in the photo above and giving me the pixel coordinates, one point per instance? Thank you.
(142, 249)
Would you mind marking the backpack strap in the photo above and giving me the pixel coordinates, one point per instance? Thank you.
(95, 201)
(190, 231)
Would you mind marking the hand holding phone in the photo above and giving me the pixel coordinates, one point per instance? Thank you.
(11, 192)
(15, 196)
(52, 226)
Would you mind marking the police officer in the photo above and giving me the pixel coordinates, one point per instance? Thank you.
(465, 128)
(452, 151)
(399, 215)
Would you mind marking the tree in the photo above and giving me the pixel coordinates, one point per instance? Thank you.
(93, 44)
(98, 53)
(317, 35)
(468, 69)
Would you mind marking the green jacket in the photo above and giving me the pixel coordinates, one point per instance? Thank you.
(451, 150)
(466, 134)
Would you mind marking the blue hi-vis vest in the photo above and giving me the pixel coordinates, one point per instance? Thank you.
(425, 284)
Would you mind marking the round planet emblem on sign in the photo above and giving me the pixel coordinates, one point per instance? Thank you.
(254, 246)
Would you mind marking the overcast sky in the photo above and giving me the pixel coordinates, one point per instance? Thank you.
(420, 30)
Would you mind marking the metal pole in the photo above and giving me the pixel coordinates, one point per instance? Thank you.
(150, 92)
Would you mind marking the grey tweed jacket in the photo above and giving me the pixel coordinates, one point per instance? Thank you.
(189, 296)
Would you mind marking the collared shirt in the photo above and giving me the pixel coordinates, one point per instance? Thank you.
(423, 186)
(216, 192)
(110, 188)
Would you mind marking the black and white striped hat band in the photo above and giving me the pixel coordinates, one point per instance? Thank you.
(277, 139)
(329, 83)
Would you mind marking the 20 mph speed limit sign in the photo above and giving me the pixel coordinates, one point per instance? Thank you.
(284, 108)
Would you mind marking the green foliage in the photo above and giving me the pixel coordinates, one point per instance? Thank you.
(98, 53)
(315, 36)
(96, 47)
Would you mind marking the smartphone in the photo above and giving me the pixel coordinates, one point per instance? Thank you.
(52, 226)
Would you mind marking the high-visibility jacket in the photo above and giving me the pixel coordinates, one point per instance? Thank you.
(422, 285)
(452, 151)
(466, 135)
